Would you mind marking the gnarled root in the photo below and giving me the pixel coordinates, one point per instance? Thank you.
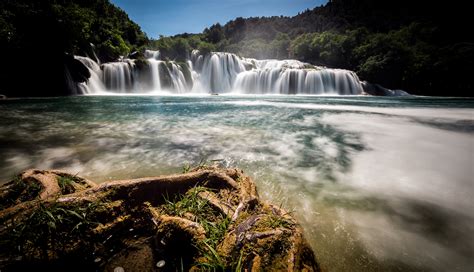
(209, 217)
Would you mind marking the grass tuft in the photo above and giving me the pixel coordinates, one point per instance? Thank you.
(51, 228)
(66, 184)
(273, 222)
(19, 191)
(214, 224)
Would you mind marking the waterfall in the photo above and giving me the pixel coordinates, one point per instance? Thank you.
(294, 77)
(217, 72)
(94, 84)
(117, 76)
(151, 54)
(154, 73)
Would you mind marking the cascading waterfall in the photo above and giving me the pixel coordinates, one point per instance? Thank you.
(117, 76)
(94, 85)
(155, 74)
(217, 72)
(294, 77)
(151, 54)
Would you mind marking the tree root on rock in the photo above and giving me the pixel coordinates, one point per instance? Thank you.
(207, 219)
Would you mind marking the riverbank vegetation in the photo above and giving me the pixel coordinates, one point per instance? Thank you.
(38, 39)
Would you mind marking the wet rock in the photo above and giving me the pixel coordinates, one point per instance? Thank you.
(136, 55)
(78, 71)
(377, 90)
(165, 78)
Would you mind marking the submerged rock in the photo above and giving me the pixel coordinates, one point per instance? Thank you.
(209, 218)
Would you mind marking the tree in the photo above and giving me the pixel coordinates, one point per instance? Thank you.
(214, 34)
(206, 48)
(280, 46)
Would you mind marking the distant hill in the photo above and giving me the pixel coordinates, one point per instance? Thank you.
(423, 47)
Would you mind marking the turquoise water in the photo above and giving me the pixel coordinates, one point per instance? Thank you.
(377, 183)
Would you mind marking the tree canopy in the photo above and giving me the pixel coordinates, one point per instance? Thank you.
(38, 39)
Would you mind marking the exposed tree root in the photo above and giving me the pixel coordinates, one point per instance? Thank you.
(207, 219)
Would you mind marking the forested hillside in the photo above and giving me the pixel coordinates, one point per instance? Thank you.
(420, 46)
(38, 39)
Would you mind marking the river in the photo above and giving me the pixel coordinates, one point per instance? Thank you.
(378, 183)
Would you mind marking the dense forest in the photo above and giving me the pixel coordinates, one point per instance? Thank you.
(420, 47)
(39, 38)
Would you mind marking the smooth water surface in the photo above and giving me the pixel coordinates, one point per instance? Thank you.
(379, 184)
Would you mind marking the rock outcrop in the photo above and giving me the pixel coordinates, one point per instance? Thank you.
(206, 219)
(78, 71)
(377, 90)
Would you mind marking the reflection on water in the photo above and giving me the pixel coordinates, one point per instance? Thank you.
(379, 184)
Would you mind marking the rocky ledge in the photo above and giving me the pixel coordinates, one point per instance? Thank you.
(207, 219)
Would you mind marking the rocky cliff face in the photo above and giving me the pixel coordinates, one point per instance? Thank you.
(206, 219)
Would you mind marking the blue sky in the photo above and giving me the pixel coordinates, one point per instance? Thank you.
(169, 17)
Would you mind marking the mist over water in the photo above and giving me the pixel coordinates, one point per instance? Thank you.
(379, 184)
